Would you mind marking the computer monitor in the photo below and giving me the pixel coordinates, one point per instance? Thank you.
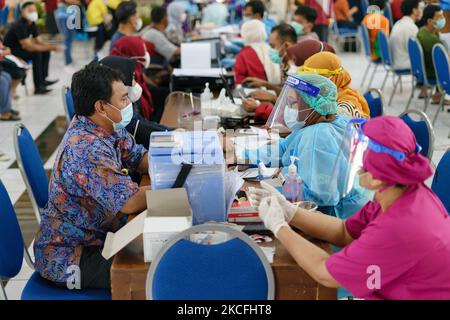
(216, 48)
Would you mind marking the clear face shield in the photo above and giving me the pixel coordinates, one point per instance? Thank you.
(348, 168)
(291, 111)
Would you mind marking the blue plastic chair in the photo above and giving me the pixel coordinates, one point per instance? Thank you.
(386, 58)
(12, 251)
(69, 108)
(367, 53)
(375, 100)
(31, 168)
(236, 269)
(422, 129)
(4, 15)
(342, 34)
(441, 64)
(388, 14)
(441, 180)
(418, 70)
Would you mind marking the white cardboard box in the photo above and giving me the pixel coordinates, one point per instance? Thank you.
(168, 212)
(158, 230)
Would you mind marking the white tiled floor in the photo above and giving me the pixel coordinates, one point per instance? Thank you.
(39, 111)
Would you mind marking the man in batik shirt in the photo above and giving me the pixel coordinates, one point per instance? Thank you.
(90, 189)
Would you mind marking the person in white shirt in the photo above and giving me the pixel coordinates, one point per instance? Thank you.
(404, 29)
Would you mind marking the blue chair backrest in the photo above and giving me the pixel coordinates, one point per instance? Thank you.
(416, 58)
(224, 271)
(11, 240)
(364, 7)
(441, 180)
(32, 165)
(4, 15)
(388, 14)
(375, 102)
(69, 103)
(365, 40)
(385, 52)
(442, 67)
(421, 132)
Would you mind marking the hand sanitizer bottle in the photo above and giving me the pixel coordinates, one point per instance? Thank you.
(205, 101)
(292, 187)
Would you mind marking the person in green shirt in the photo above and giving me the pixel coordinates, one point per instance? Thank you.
(428, 36)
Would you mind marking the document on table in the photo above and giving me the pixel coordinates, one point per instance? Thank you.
(189, 72)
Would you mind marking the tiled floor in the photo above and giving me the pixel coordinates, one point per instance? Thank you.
(38, 112)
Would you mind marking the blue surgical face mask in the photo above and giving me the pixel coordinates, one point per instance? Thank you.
(290, 118)
(439, 24)
(126, 114)
(298, 28)
(274, 56)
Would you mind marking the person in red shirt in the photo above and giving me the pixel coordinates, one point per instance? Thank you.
(396, 10)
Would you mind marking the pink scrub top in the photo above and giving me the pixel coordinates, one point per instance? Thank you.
(402, 253)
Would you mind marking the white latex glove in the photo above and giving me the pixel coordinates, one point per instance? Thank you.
(267, 190)
(271, 213)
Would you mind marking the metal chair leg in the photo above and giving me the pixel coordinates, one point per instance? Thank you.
(3, 295)
(393, 91)
(365, 74)
(371, 78)
(441, 106)
(28, 258)
(413, 85)
(401, 84)
(385, 79)
(427, 99)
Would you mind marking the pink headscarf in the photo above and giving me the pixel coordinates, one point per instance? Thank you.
(392, 132)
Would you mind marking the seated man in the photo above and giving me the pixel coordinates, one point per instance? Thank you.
(428, 36)
(155, 34)
(129, 21)
(25, 42)
(283, 36)
(90, 189)
(402, 31)
(255, 9)
(304, 18)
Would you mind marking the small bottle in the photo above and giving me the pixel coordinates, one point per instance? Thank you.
(292, 187)
(205, 101)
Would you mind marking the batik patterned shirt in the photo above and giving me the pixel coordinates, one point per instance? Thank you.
(87, 189)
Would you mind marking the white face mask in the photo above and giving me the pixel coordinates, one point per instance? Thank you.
(139, 24)
(32, 16)
(135, 92)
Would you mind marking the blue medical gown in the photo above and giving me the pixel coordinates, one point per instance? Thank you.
(318, 149)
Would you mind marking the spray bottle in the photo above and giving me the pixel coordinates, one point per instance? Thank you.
(292, 187)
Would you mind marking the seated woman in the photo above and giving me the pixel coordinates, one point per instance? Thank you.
(294, 56)
(135, 47)
(351, 103)
(397, 246)
(176, 12)
(315, 139)
(139, 127)
(254, 59)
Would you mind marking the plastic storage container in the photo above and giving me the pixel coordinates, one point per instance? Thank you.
(205, 182)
